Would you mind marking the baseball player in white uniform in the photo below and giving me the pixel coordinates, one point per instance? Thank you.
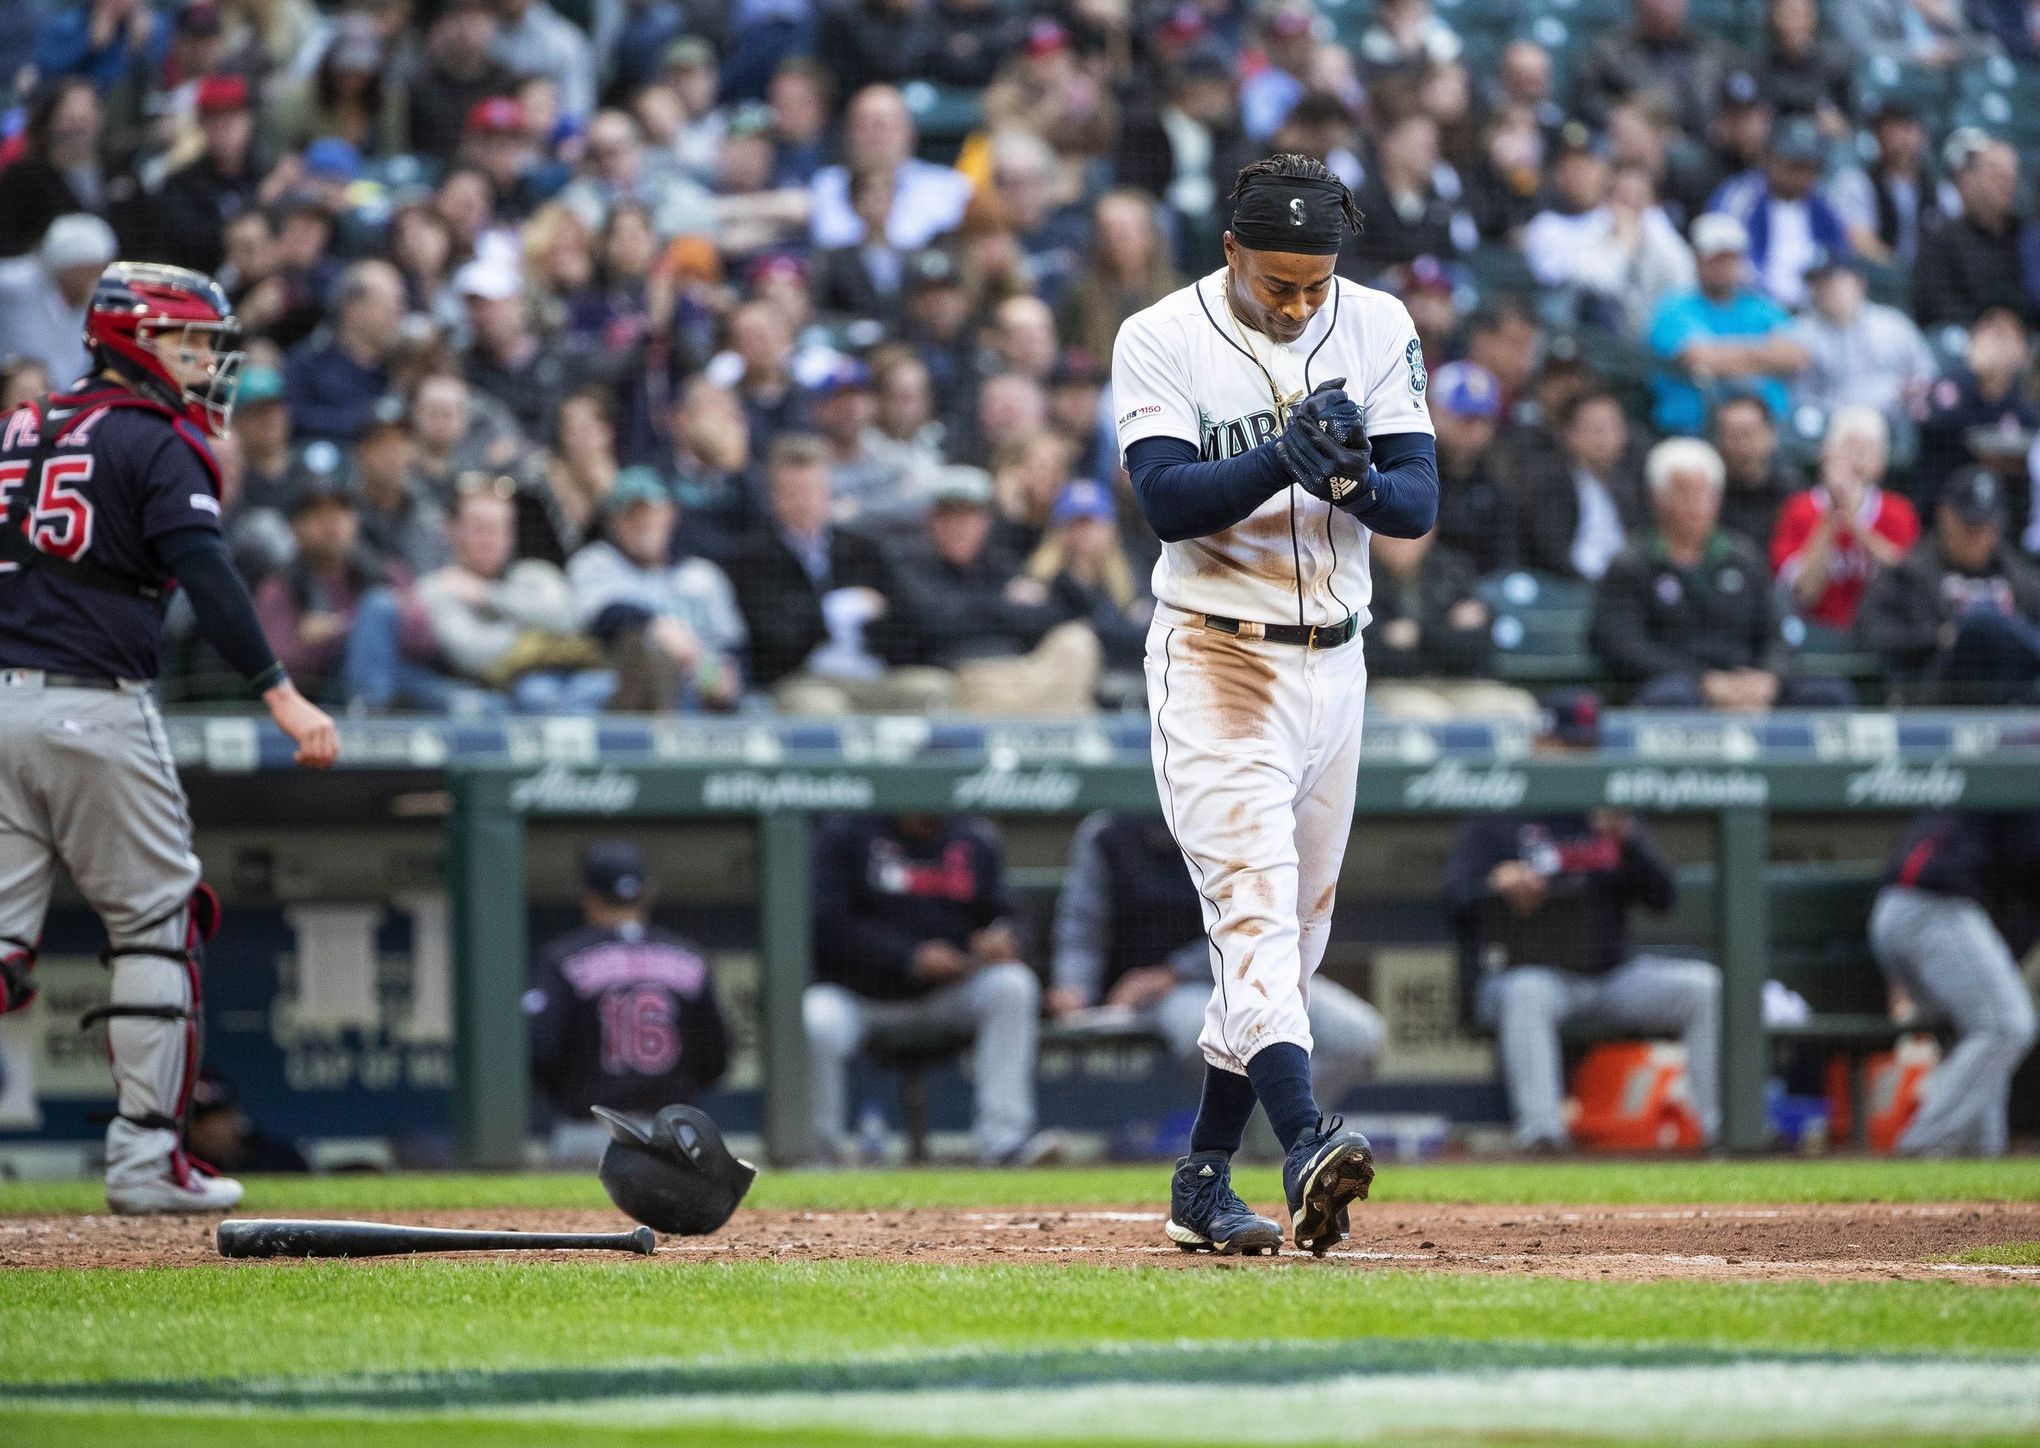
(1272, 416)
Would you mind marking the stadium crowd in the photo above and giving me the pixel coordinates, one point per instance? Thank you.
(741, 354)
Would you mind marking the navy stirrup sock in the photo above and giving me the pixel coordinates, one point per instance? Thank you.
(1223, 1111)
(1281, 1077)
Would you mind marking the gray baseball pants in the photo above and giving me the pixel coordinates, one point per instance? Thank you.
(1944, 950)
(86, 778)
(1526, 1006)
(999, 1006)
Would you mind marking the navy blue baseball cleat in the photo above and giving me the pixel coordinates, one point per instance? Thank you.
(1207, 1215)
(1327, 1170)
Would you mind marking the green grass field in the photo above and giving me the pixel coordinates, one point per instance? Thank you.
(486, 1350)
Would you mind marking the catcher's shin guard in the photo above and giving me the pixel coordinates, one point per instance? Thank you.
(152, 1038)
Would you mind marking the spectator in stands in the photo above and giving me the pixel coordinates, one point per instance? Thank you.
(1803, 72)
(844, 408)
(1504, 339)
(1045, 89)
(1021, 338)
(623, 1014)
(617, 170)
(1981, 412)
(875, 42)
(509, 360)
(57, 172)
(1734, 142)
(43, 296)
(345, 96)
(1958, 622)
(1789, 222)
(710, 469)
(1685, 613)
(458, 71)
(1888, 202)
(1722, 334)
(1288, 35)
(1658, 51)
(821, 603)
(1029, 216)
(1028, 476)
(1955, 916)
(534, 39)
(510, 625)
(1084, 565)
(334, 380)
(669, 627)
(1475, 516)
(1129, 936)
(1832, 539)
(863, 278)
(928, 199)
(1574, 518)
(403, 529)
(454, 432)
(1128, 269)
(1011, 649)
(1606, 238)
(1758, 478)
(1860, 353)
(914, 926)
(1929, 33)
(970, 38)
(1409, 215)
(560, 505)
(1542, 905)
(1185, 151)
(905, 440)
(185, 225)
(799, 98)
(688, 74)
(1969, 264)
(1428, 642)
(262, 434)
(307, 609)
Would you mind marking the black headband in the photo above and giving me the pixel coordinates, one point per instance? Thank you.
(1304, 214)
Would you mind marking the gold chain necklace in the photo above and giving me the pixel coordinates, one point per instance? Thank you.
(1282, 403)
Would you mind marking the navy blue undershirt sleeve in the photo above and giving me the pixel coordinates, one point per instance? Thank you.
(1401, 498)
(1184, 498)
(197, 559)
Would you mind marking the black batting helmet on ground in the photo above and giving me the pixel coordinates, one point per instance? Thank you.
(674, 1174)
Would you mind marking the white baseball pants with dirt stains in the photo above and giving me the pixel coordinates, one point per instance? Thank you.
(1256, 752)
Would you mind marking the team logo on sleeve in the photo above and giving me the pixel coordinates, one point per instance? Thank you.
(1414, 355)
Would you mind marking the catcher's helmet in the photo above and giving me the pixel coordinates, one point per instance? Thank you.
(674, 1175)
(143, 325)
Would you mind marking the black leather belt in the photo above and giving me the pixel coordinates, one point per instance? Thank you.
(69, 681)
(1308, 636)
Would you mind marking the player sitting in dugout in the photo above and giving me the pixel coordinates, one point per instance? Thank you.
(1129, 933)
(1542, 903)
(913, 927)
(1958, 911)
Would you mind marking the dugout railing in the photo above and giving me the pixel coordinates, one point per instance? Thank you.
(780, 778)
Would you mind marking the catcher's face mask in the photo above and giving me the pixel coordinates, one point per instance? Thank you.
(674, 1174)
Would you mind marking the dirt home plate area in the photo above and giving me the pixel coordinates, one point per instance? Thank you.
(1820, 1243)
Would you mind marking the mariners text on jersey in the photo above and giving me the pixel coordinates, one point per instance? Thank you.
(1186, 368)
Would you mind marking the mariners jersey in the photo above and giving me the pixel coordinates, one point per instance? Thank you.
(1186, 368)
(120, 477)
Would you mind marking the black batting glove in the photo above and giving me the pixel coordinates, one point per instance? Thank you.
(1328, 406)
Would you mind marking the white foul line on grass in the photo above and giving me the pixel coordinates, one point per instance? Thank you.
(1723, 1402)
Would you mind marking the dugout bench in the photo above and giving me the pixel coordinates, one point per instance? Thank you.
(1737, 772)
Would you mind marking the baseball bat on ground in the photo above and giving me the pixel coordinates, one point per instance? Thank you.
(288, 1237)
